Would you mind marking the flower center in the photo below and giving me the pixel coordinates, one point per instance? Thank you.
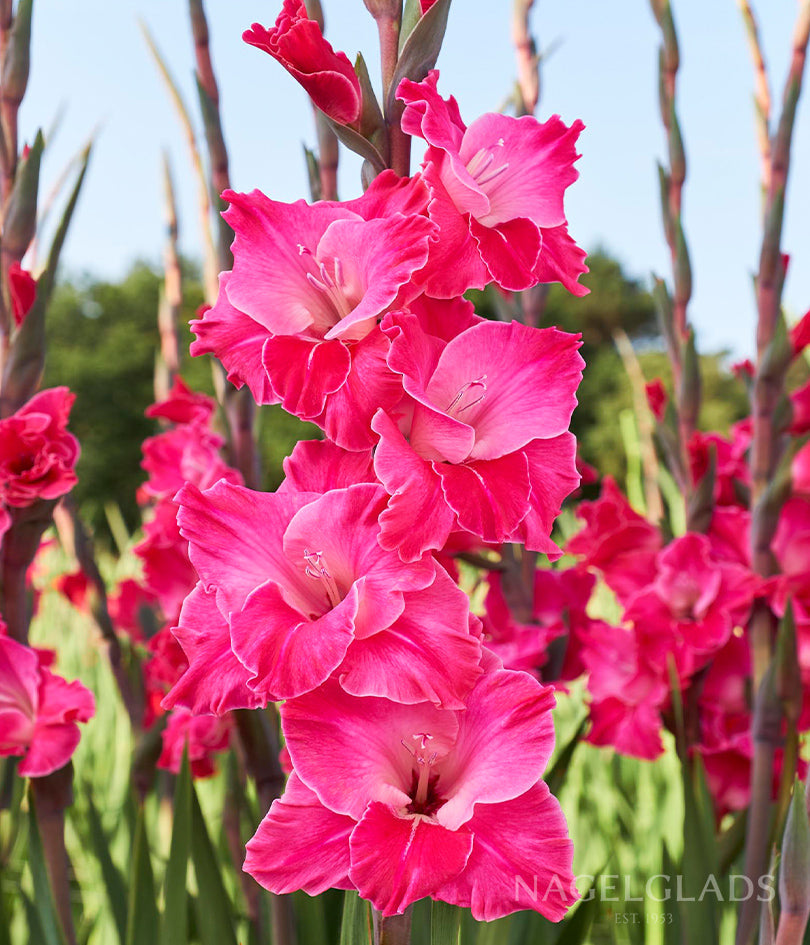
(480, 166)
(425, 798)
(316, 569)
(472, 393)
(330, 282)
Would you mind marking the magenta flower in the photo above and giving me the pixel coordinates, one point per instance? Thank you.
(37, 453)
(203, 736)
(298, 44)
(487, 450)
(39, 711)
(308, 287)
(307, 591)
(414, 801)
(692, 606)
(617, 541)
(496, 193)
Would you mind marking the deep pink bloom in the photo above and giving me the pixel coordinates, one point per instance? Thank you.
(496, 193)
(616, 541)
(298, 44)
(167, 572)
(308, 287)
(487, 450)
(690, 609)
(732, 474)
(627, 693)
(320, 466)
(414, 801)
(127, 605)
(37, 454)
(657, 398)
(74, 586)
(306, 591)
(183, 405)
(39, 711)
(203, 735)
(800, 334)
(23, 289)
(520, 645)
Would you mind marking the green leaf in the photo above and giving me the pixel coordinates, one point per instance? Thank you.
(699, 867)
(556, 773)
(445, 924)
(212, 906)
(46, 911)
(113, 880)
(142, 917)
(355, 927)
(310, 920)
(410, 17)
(174, 923)
(27, 356)
(578, 925)
(421, 49)
(354, 141)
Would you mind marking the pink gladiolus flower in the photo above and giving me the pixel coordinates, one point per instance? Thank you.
(692, 606)
(299, 587)
(126, 606)
(487, 450)
(204, 735)
(38, 710)
(308, 287)
(37, 454)
(402, 802)
(496, 193)
(183, 405)
(616, 541)
(298, 44)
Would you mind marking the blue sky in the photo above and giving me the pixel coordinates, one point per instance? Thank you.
(89, 57)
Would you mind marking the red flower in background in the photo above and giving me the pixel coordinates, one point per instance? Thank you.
(37, 454)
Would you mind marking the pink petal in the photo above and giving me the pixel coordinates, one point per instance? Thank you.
(285, 653)
(489, 497)
(553, 476)
(342, 526)
(303, 373)
(236, 340)
(51, 749)
(509, 251)
(505, 739)
(455, 263)
(300, 844)
(384, 253)
(539, 166)
(428, 115)
(235, 539)
(269, 278)
(428, 655)
(397, 860)
(215, 681)
(529, 387)
(320, 465)
(521, 859)
(350, 752)
(561, 260)
(370, 385)
(417, 517)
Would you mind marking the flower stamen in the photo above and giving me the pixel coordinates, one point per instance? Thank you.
(316, 569)
(455, 407)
